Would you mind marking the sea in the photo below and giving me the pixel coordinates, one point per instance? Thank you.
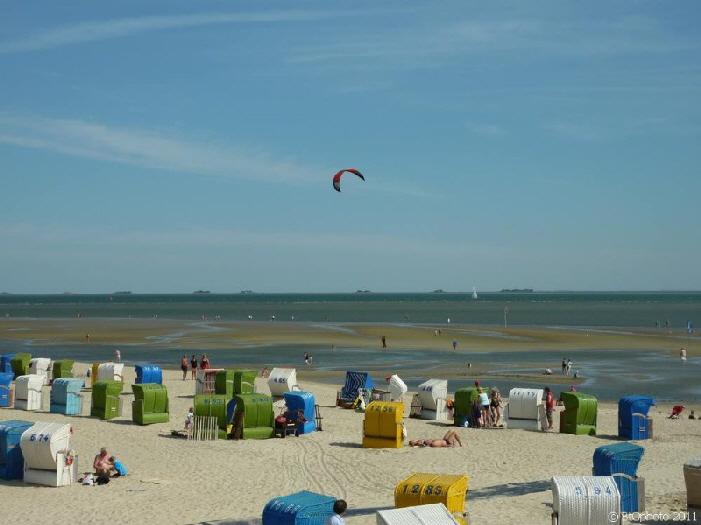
(609, 374)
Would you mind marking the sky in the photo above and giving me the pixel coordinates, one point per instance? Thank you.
(173, 146)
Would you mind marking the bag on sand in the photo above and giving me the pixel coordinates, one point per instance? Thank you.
(103, 479)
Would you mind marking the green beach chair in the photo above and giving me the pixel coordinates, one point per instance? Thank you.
(254, 416)
(62, 368)
(579, 416)
(150, 404)
(214, 405)
(106, 400)
(463, 407)
(20, 364)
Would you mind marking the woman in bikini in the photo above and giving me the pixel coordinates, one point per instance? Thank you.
(451, 439)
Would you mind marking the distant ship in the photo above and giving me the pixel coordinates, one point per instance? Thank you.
(474, 293)
(362, 291)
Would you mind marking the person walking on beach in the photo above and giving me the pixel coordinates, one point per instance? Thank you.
(193, 367)
(384, 342)
(117, 356)
(339, 509)
(455, 344)
(183, 366)
(204, 362)
(549, 406)
(682, 355)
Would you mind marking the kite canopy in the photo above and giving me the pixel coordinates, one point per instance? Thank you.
(337, 178)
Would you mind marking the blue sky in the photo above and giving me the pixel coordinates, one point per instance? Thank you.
(171, 146)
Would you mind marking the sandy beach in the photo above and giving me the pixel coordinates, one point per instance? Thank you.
(175, 481)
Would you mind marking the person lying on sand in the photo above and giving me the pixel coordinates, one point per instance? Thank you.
(451, 439)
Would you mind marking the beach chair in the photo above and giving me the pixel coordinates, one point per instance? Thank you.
(383, 426)
(579, 416)
(110, 372)
(254, 417)
(525, 409)
(692, 479)
(358, 384)
(213, 405)
(20, 364)
(146, 373)
(206, 380)
(300, 508)
(5, 364)
(63, 368)
(150, 404)
(463, 408)
(65, 397)
(48, 459)
(430, 513)
(6, 393)
(28, 392)
(11, 459)
(676, 411)
(633, 421)
(41, 366)
(433, 397)
(397, 388)
(621, 461)
(282, 380)
(585, 500)
(302, 403)
(431, 488)
(106, 399)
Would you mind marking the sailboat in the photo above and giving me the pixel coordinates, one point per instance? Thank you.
(474, 293)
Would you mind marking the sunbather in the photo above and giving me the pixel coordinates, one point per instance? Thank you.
(451, 439)
(101, 463)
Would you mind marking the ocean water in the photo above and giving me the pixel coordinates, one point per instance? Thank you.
(608, 374)
(595, 309)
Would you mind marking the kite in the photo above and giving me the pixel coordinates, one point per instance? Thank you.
(337, 178)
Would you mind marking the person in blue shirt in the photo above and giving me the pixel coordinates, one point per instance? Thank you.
(118, 467)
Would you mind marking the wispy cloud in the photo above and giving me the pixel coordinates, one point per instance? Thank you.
(94, 30)
(147, 149)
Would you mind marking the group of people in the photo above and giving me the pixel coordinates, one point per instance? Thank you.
(308, 358)
(487, 408)
(106, 466)
(193, 365)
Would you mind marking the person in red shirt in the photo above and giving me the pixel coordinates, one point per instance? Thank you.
(549, 407)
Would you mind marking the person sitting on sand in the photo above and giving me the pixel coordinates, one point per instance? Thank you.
(691, 415)
(449, 440)
(118, 467)
(101, 463)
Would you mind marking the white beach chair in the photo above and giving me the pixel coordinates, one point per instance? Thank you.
(433, 395)
(525, 409)
(28, 392)
(432, 513)
(41, 366)
(585, 500)
(281, 380)
(110, 372)
(48, 459)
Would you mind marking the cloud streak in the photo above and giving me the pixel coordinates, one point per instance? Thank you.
(146, 149)
(94, 30)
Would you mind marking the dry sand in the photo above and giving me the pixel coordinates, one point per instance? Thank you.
(175, 481)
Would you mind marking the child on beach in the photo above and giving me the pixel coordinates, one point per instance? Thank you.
(118, 467)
